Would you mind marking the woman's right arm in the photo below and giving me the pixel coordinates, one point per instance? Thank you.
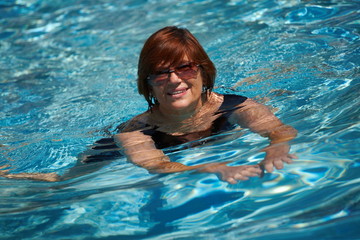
(140, 149)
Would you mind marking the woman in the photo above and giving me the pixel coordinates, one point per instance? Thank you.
(176, 77)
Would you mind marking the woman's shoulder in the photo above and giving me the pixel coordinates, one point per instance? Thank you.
(234, 99)
(229, 101)
(136, 123)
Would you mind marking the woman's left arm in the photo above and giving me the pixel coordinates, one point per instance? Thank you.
(259, 119)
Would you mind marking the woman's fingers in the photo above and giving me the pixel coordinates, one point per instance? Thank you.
(230, 180)
(288, 160)
(279, 164)
(242, 173)
(269, 166)
(239, 176)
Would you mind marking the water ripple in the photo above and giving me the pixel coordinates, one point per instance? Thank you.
(68, 70)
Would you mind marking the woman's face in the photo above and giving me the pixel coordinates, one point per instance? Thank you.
(179, 95)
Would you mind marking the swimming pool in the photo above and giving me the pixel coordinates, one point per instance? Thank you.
(68, 71)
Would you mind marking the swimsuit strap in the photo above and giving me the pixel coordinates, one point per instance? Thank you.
(231, 102)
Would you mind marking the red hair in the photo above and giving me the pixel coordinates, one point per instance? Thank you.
(170, 45)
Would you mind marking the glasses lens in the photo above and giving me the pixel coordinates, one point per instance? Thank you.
(184, 71)
(158, 79)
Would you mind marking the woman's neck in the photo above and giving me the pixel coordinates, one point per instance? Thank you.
(184, 122)
(187, 120)
(179, 115)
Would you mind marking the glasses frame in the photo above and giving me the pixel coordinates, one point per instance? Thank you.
(150, 77)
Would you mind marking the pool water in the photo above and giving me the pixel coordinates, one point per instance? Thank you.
(68, 77)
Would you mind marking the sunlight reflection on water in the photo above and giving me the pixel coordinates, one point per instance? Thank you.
(68, 77)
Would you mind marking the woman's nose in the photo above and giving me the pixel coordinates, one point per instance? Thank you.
(173, 78)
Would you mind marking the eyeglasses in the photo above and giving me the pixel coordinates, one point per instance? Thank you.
(184, 71)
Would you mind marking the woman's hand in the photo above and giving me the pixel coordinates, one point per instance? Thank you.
(259, 119)
(277, 155)
(47, 177)
(233, 174)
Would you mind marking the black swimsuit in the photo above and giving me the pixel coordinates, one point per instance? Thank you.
(106, 149)
(163, 140)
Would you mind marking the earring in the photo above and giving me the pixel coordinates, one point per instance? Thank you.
(152, 100)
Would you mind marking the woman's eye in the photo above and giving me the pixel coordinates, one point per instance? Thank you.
(161, 76)
(162, 72)
(183, 67)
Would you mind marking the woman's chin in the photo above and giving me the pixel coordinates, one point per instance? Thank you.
(181, 102)
(182, 105)
(179, 105)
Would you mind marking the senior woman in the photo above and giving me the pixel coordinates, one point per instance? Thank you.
(176, 77)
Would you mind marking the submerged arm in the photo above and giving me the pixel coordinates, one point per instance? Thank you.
(91, 160)
(47, 177)
(141, 150)
(259, 119)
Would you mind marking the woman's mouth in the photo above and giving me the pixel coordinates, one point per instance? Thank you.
(178, 93)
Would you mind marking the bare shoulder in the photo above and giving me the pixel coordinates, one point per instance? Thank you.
(136, 123)
(251, 107)
(250, 103)
(255, 116)
(215, 98)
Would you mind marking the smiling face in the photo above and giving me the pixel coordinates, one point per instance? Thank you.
(166, 50)
(179, 96)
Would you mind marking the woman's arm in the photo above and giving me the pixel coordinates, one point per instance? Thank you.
(141, 150)
(47, 177)
(95, 157)
(259, 119)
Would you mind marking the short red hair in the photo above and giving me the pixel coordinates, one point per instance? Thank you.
(169, 46)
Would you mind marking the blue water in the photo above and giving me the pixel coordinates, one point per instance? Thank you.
(68, 71)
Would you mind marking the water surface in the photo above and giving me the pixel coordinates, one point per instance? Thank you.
(68, 77)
